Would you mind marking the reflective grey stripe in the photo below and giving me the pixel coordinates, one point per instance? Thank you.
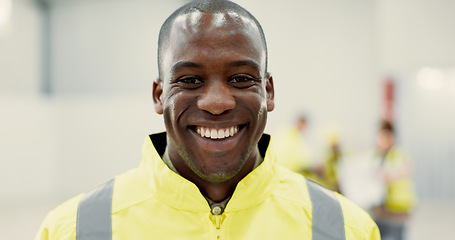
(94, 214)
(328, 221)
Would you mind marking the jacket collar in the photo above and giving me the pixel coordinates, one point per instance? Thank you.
(176, 191)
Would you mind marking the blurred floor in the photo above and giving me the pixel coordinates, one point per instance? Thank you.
(432, 220)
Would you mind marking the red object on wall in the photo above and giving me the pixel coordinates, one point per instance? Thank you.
(389, 98)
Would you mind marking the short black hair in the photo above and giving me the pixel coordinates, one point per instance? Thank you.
(205, 6)
(387, 126)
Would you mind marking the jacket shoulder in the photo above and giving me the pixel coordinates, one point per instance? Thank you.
(130, 189)
(358, 223)
(292, 187)
(60, 223)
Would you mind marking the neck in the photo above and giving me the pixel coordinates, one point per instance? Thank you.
(217, 192)
(214, 190)
(384, 151)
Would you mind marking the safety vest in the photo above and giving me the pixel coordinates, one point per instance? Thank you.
(94, 214)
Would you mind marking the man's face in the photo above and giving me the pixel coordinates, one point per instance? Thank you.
(214, 93)
(385, 140)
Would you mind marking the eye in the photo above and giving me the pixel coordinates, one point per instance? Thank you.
(243, 81)
(190, 80)
(240, 79)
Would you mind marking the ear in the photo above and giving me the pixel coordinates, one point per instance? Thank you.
(157, 92)
(270, 91)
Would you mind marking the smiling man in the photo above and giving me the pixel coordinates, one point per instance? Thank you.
(213, 173)
(214, 92)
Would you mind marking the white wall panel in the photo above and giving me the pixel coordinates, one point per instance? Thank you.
(414, 35)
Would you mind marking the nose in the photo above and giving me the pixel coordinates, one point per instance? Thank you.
(216, 99)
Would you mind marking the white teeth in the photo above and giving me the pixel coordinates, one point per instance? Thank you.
(221, 133)
(214, 134)
(201, 131)
(217, 133)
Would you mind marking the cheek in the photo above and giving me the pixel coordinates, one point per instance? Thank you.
(169, 109)
(261, 105)
(260, 102)
(176, 103)
(256, 103)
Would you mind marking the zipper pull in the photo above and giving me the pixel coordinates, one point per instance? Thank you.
(218, 221)
(216, 216)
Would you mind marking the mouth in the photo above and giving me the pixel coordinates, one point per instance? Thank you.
(217, 139)
(217, 133)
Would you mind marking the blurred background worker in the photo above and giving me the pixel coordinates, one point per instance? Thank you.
(395, 171)
(292, 148)
(331, 163)
(380, 181)
(294, 151)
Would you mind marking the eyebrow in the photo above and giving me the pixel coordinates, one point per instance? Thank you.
(184, 64)
(240, 63)
(187, 64)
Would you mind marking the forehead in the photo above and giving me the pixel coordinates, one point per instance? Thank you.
(196, 22)
(214, 34)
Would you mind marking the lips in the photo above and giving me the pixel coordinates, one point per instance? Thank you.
(217, 133)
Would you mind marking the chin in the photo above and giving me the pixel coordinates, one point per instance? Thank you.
(217, 178)
(219, 174)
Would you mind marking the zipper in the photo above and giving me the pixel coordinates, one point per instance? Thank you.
(217, 217)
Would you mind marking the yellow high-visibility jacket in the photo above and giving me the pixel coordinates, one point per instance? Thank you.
(153, 202)
(400, 195)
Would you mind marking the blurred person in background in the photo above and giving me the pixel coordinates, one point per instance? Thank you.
(380, 181)
(330, 165)
(294, 152)
(395, 170)
(292, 149)
(212, 174)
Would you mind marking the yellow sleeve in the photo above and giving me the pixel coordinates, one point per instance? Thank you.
(375, 235)
(60, 223)
(43, 233)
